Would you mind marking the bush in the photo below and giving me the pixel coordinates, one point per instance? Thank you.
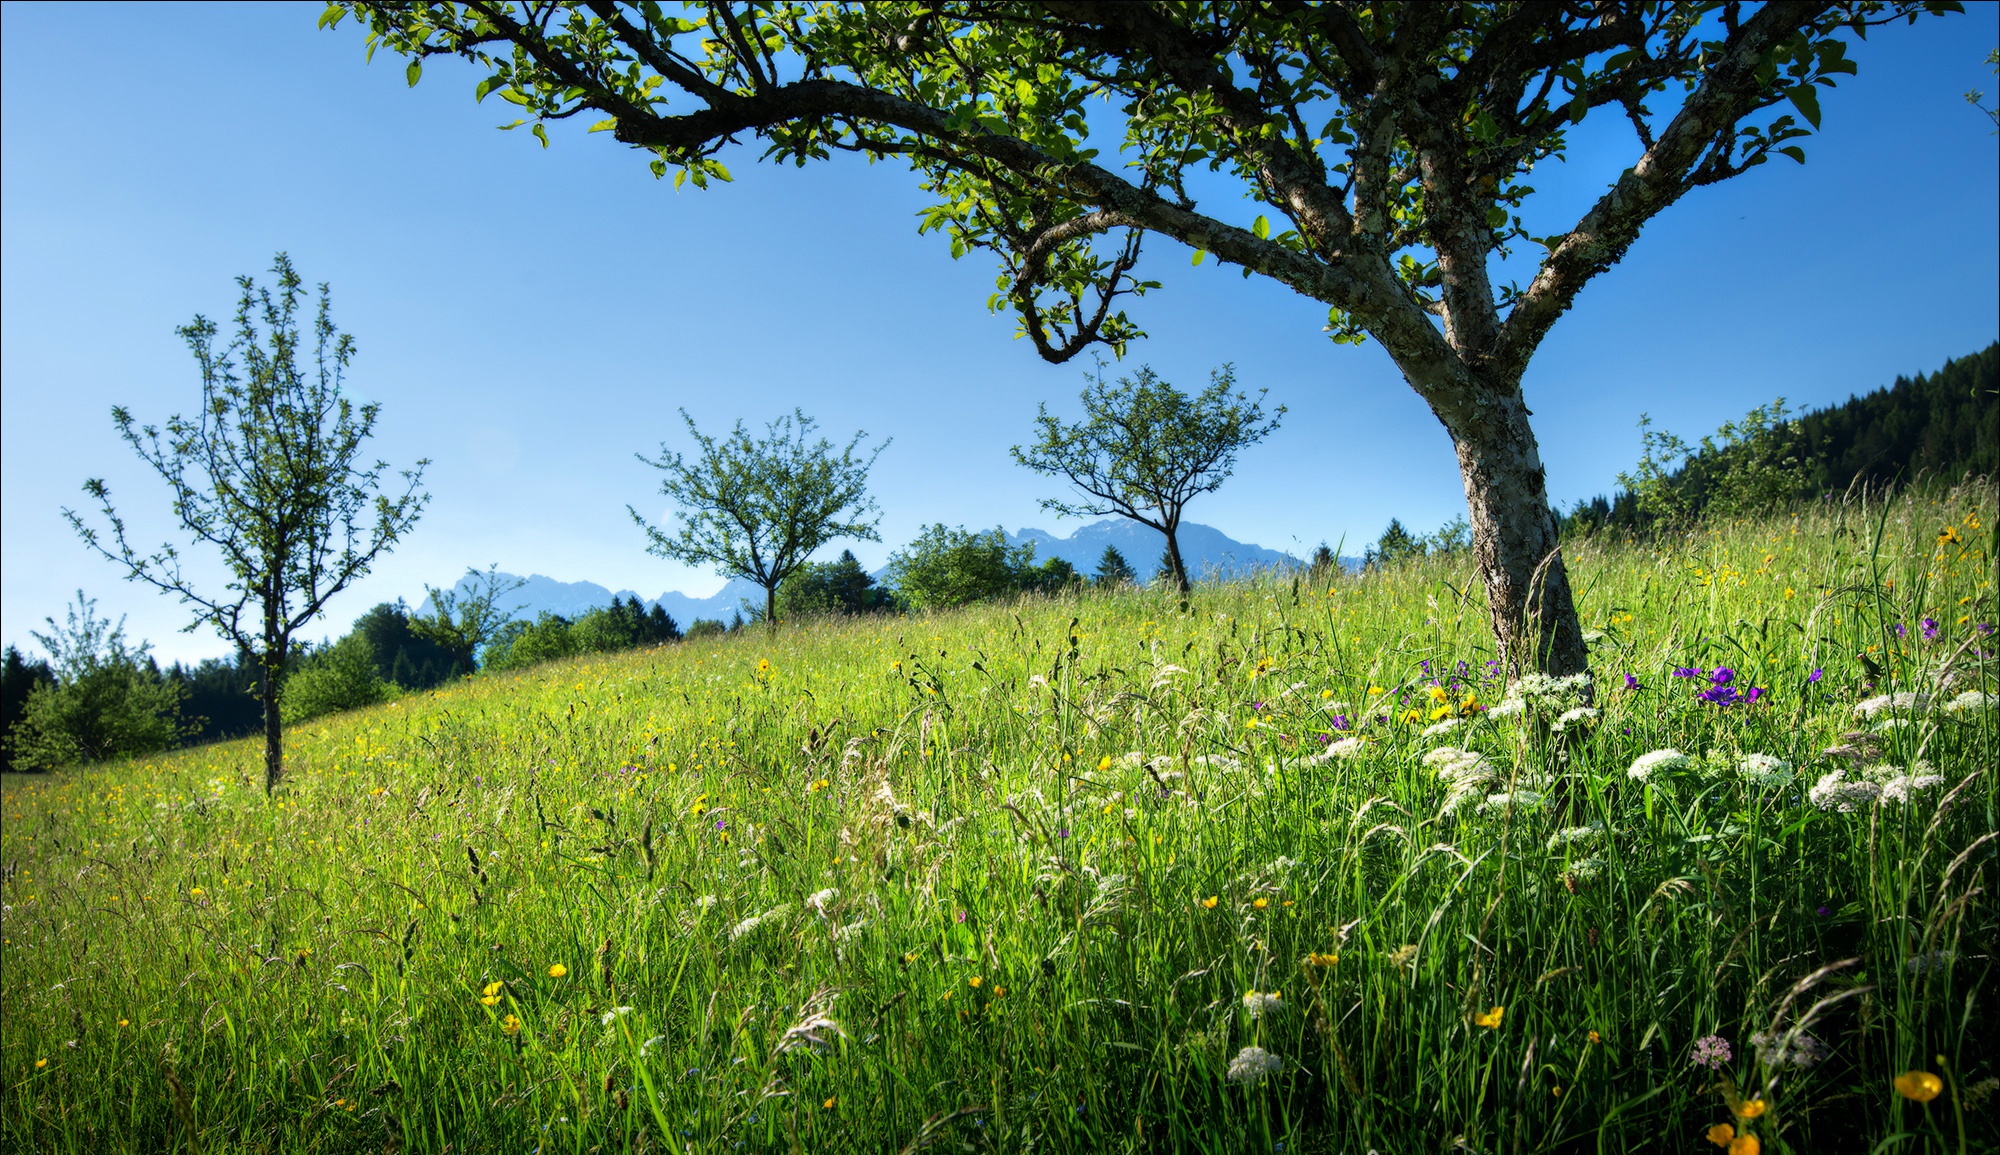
(545, 640)
(108, 699)
(948, 567)
(341, 677)
(706, 628)
(836, 587)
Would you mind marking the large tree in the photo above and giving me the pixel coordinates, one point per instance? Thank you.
(1390, 142)
(1145, 449)
(757, 507)
(268, 473)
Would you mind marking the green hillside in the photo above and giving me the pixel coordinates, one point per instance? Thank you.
(1078, 874)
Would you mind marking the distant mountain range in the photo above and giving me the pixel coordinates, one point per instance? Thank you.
(1208, 552)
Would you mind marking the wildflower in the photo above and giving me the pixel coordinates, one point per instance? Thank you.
(1906, 702)
(820, 898)
(1745, 1145)
(40, 1063)
(124, 1022)
(1918, 1086)
(1525, 801)
(1928, 962)
(1586, 869)
(1748, 1108)
(1815, 676)
(1788, 1049)
(1835, 791)
(511, 1024)
(1657, 762)
(1930, 630)
(557, 970)
(613, 1015)
(1491, 1019)
(974, 981)
(1594, 1038)
(1722, 1134)
(1632, 682)
(828, 1105)
(1260, 903)
(1575, 717)
(1439, 729)
(490, 994)
(1764, 771)
(1209, 902)
(1252, 1064)
(1572, 834)
(1712, 1051)
(1261, 1003)
(1898, 790)
(1317, 959)
(197, 892)
(1969, 702)
(1343, 748)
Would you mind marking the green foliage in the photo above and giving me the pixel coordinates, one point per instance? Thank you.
(840, 586)
(403, 655)
(18, 678)
(107, 698)
(706, 628)
(545, 639)
(270, 474)
(220, 697)
(1145, 449)
(947, 567)
(622, 626)
(758, 507)
(462, 624)
(341, 677)
(1398, 544)
(1113, 570)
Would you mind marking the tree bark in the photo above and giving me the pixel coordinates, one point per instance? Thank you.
(274, 724)
(771, 606)
(1514, 538)
(1175, 563)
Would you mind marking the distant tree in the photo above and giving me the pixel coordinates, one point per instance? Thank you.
(1387, 154)
(609, 629)
(947, 567)
(1113, 569)
(461, 623)
(758, 508)
(1053, 576)
(219, 697)
(661, 627)
(1323, 564)
(1145, 449)
(18, 679)
(269, 472)
(545, 639)
(1395, 544)
(736, 621)
(108, 699)
(401, 656)
(705, 628)
(840, 586)
(338, 678)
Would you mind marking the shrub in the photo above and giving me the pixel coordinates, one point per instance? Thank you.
(341, 677)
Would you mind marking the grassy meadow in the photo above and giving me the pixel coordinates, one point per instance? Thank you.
(1288, 872)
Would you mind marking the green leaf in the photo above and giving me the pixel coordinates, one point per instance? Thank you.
(1200, 255)
(540, 135)
(413, 72)
(1496, 216)
(605, 125)
(1795, 152)
(1261, 227)
(1805, 98)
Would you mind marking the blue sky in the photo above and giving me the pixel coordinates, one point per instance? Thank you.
(530, 319)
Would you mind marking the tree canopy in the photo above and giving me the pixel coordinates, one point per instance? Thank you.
(1384, 151)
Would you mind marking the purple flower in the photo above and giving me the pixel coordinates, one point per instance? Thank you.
(1256, 707)
(721, 825)
(1631, 681)
(1340, 722)
(1900, 631)
(1930, 630)
(1722, 676)
(1984, 628)
(960, 917)
(1815, 676)
(1063, 833)
(1720, 695)
(1712, 1051)
(1686, 672)
(1755, 693)
(1824, 912)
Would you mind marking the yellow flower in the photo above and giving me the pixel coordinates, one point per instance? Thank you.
(1104, 763)
(974, 981)
(492, 988)
(1438, 694)
(1918, 1086)
(1260, 903)
(40, 1063)
(1374, 690)
(1722, 1134)
(1745, 1145)
(197, 892)
(1595, 1038)
(1322, 960)
(124, 1022)
(828, 1105)
(510, 1024)
(1749, 1108)
(1209, 902)
(557, 971)
(999, 992)
(1491, 1019)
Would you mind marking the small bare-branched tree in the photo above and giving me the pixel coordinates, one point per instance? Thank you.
(268, 473)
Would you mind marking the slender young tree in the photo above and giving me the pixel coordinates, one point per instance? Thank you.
(1145, 449)
(270, 474)
(758, 507)
(1385, 149)
(461, 622)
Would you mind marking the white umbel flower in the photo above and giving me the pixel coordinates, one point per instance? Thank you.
(1906, 702)
(1262, 1003)
(1253, 1064)
(1645, 766)
(1971, 702)
(1835, 791)
(1764, 771)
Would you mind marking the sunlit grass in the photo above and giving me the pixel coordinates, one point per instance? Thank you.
(1044, 874)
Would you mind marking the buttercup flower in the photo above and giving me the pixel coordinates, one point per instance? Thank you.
(1491, 1019)
(1918, 1086)
(557, 971)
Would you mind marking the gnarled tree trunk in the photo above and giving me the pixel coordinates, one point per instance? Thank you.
(1514, 537)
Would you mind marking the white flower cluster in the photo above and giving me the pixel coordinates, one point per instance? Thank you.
(1343, 748)
(1252, 1064)
(1575, 834)
(1906, 702)
(1507, 708)
(820, 898)
(1928, 962)
(749, 925)
(1971, 702)
(1586, 869)
(1440, 729)
(1764, 771)
(1463, 771)
(1543, 690)
(1576, 717)
(1657, 762)
(613, 1015)
(1523, 801)
(1788, 1049)
(1261, 1003)
(1887, 784)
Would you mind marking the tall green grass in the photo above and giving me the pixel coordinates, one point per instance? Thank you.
(1037, 876)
